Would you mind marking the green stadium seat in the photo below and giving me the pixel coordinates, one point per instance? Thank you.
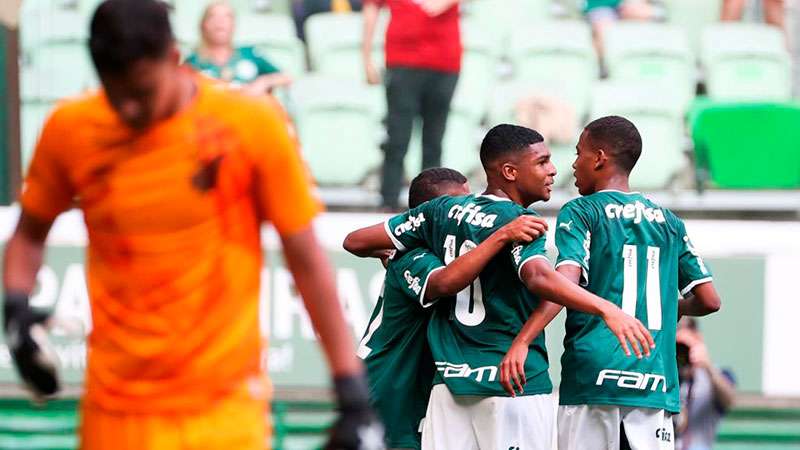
(693, 17)
(501, 17)
(479, 67)
(274, 35)
(43, 23)
(32, 116)
(651, 52)
(503, 110)
(746, 62)
(61, 70)
(338, 121)
(764, 155)
(657, 115)
(334, 44)
(556, 56)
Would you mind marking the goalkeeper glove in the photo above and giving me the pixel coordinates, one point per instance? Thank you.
(27, 342)
(357, 427)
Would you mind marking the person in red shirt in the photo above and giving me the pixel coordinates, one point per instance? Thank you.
(423, 59)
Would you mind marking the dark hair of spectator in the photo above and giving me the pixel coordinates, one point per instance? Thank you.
(123, 32)
(504, 139)
(431, 183)
(619, 137)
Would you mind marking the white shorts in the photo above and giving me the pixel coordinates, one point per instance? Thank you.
(469, 422)
(597, 427)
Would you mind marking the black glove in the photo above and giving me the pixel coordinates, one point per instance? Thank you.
(357, 427)
(27, 343)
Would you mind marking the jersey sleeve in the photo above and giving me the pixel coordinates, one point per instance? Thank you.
(413, 270)
(47, 190)
(573, 239)
(692, 270)
(286, 193)
(411, 229)
(523, 253)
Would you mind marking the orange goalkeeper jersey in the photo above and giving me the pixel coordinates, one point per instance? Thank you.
(174, 254)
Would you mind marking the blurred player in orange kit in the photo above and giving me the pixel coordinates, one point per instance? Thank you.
(174, 176)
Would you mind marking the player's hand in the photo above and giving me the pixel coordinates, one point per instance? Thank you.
(27, 342)
(357, 427)
(371, 73)
(523, 229)
(512, 368)
(629, 329)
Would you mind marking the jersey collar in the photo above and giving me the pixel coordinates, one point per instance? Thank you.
(493, 197)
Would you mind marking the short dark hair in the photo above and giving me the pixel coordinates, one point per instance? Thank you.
(123, 32)
(618, 136)
(430, 183)
(504, 138)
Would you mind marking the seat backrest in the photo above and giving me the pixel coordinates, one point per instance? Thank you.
(764, 155)
(693, 16)
(257, 29)
(334, 43)
(339, 127)
(557, 57)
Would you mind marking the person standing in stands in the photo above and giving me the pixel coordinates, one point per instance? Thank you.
(423, 59)
(218, 58)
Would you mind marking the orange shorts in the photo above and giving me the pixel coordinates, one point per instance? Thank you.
(237, 421)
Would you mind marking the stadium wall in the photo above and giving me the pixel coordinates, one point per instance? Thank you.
(754, 263)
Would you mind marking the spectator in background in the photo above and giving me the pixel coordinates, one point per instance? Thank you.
(423, 59)
(218, 58)
(732, 10)
(602, 13)
(302, 9)
(707, 392)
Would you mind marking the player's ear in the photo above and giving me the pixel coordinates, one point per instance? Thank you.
(508, 171)
(600, 159)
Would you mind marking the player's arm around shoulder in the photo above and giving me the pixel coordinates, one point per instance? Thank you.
(463, 270)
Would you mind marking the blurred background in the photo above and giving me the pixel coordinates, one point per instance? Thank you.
(715, 101)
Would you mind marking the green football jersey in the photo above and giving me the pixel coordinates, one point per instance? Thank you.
(636, 254)
(395, 348)
(470, 335)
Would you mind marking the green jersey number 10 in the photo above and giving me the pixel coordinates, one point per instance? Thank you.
(469, 302)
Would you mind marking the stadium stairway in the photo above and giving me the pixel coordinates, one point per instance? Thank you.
(301, 424)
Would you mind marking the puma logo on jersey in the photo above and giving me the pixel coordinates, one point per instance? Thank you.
(413, 282)
(450, 370)
(636, 211)
(472, 215)
(418, 257)
(632, 380)
(410, 225)
(567, 226)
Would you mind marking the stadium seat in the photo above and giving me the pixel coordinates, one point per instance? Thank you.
(693, 16)
(651, 52)
(556, 56)
(657, 115)
(746, 62)
(338, 121)
(275, 36)
(502, 109)
(61, 70)
(479, 67)
(501, 17)
(764, 155)
(47, 23)
(32, 116)
(334, 44)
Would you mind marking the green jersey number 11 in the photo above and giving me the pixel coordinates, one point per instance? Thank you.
(630, 288)
(469, 301)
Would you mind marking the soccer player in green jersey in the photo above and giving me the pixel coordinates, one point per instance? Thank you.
(468, 408)
(400, 368)
(621, 246)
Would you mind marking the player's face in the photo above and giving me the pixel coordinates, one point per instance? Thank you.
(584, 165)
(147, 93)
(218, 24)
(535, 173)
